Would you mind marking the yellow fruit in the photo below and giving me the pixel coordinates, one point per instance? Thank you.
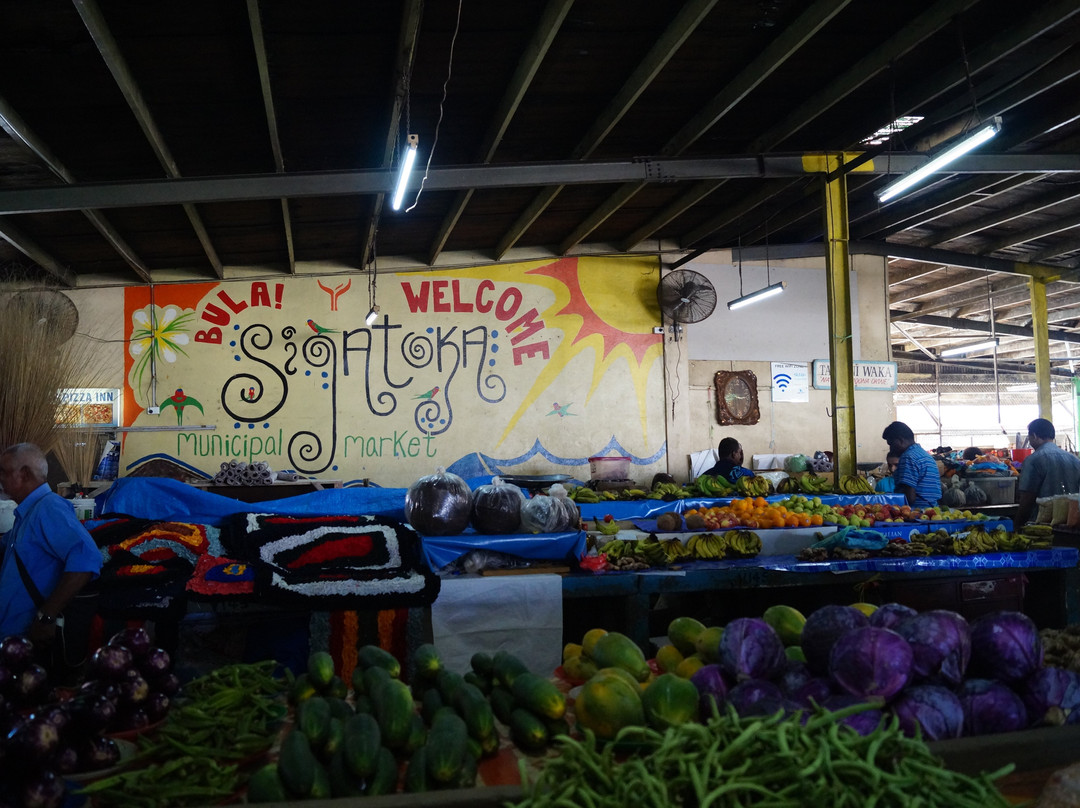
(866, 608)
(588, 642)
(787, 622)
(689, 666)
(606, 704)
(571, 649)
(708, 643)
(668, 658)
(616, 673)
(579, 668)
(683, 633)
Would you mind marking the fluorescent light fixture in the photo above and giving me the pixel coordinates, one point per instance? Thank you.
(406, 169)
(754, 297)
(371, 315)
(959, 350)
(962, 147)
(884, 133)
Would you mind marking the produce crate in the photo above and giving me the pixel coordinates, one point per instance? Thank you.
(999, 490)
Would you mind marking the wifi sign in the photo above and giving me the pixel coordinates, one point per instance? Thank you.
(781, 381)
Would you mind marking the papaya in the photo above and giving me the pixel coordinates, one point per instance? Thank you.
(615, 650)
(296, 764)
(866, 608)
(505, 667)
(668, 657)
(618, 673)
(394, 711)
(689, 666)
(795, 653)
(707, 644)
(539, 695)
(571, 649)
(265, 785)
(426, 662)
(683, 633)
(606, 704)
(528, 731)
(361, 741)
(320, 669)
(670, 701)
(787, 622)
(579, 669)
(372, 656)
(588, 642)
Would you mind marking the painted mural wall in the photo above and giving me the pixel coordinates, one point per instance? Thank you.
(526, 368)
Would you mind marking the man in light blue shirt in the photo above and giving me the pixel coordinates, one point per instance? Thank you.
(57, 553)
(916, 476)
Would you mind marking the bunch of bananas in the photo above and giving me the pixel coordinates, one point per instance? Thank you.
(789, 485)
(977, 540)
(709, 486)
(754, 486)
(647, 552)
(1038, 531)
(1021, 541)
(674, 549)
(854, 484)
(742, 543)
(813, 484)
(667, 491)
(588, 496)
(706, 546)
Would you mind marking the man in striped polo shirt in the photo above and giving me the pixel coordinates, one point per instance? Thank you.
(916, 476)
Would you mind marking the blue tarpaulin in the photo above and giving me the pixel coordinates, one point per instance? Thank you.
(646, 508)
(443, 550)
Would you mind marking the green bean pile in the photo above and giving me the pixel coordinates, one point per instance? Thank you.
(765, 762)
(221, 720)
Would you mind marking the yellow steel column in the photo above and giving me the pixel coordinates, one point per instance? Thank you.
(1040, 332)
(841, 367)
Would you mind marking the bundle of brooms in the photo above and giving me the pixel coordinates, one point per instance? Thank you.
(41, 355)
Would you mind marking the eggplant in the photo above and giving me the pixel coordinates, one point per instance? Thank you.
(156, 706)
(111, 662)
(136, 640)
(98, 752)
(16, 652)
(66, 760)
(43, 790)
(56, 714)
(36, 740)
(31, 684)
(169, 684)
(134, 689)
(133, 718)
(155, 664)
(95, 713)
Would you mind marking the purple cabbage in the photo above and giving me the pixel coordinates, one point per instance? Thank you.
(750, 649)
(746, 694)
(930, 710)
(1051, 696)
(872, 663)
(816, 691)
(889, 615)
(823, 628)
(1005, 646)
(941, 643)
(793, 676)
(712, 689)
(864, 722)
(990, 707)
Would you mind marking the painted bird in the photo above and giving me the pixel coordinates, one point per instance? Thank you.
(318, 329)
(562, 411)
(429, 394)
(179, 401)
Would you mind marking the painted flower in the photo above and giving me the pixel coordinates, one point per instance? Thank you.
(157, 335)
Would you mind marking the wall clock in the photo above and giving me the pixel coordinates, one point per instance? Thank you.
(736, 397)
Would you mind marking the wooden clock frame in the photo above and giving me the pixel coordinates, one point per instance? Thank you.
(723, 415)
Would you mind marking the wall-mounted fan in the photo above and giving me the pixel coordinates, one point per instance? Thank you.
(46, 309)
(685, 296)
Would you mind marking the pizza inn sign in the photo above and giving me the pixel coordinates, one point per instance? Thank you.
(868, 375)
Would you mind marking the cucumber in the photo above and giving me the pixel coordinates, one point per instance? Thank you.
(417, 735)
(337, 688)
(394, 711)
(320, 669)
(528, 731)
(302, 689)
(430, 702)
(334, 739)
(539, 695)
(476, 710)
(448, 683)
(483, 683)
(481, 663)
(296, 764)
(556, 726)
(360, 746)
(502, 703)
(358, 685)
(416, 778)
(374, 679)
(505, 668)
(447, 718)
(490, 745)
(362, 704)
(313, 719)
(265, 785)
(372, 656)
(343, 783)
(426, 661)
(446, 750)
(384, 781)
(339, 708)
(321, 788)
(467, 775)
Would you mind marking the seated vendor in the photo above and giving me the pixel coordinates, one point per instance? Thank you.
(887, 485)
(729, 465)
(971, 452)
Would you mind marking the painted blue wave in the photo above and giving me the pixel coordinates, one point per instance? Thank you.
(478, 464)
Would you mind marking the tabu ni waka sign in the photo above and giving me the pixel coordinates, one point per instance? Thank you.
(868, 375)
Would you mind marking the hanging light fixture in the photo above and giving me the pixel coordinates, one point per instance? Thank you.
(754, 297)
(974, 347)
(970, 141)
(407, 163)
(371, 315)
